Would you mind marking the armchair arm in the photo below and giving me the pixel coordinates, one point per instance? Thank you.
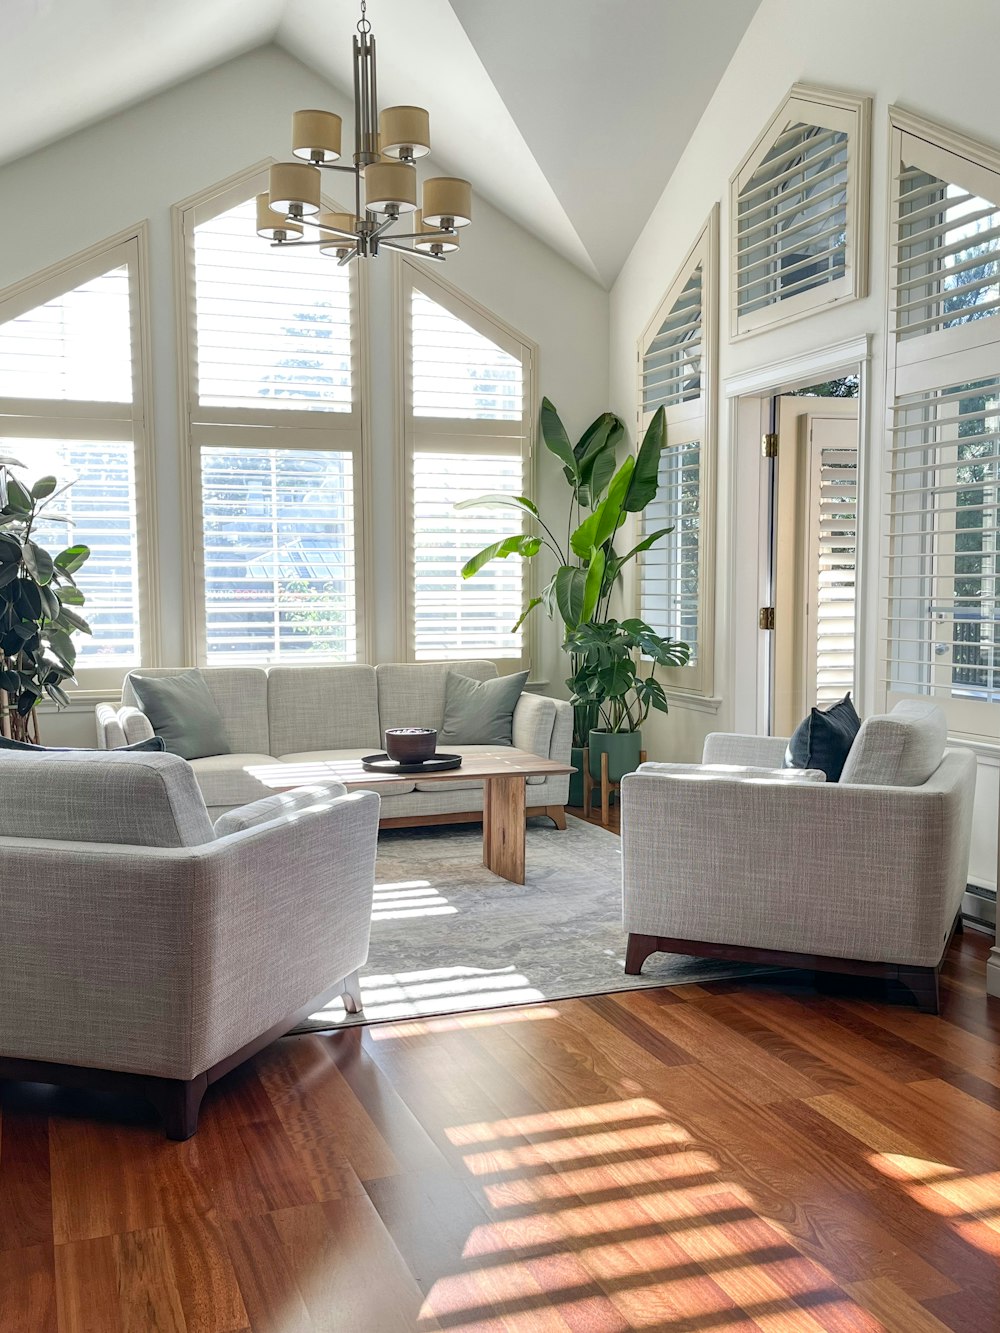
(846, 871)
(724, 747)
(735, 772)
(273, 807)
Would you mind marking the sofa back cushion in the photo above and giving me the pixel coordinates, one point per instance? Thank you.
(240, 694)
(145, 800)
(898, 749)
(322, 708)
(413, 695)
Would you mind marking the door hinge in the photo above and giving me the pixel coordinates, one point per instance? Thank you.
(765, 618)
(769, 445)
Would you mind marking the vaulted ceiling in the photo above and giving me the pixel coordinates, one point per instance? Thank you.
(569, 115)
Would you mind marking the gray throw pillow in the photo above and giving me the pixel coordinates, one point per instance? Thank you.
(152, 744)
(181, 709)
(480, 712)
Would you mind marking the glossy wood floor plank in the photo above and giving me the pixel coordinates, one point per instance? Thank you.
(726, 1158)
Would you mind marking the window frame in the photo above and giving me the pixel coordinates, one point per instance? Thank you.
(70, 419)
(436, 432)
(695, 419)
(239, 427)
(935, 362)
(836, 111)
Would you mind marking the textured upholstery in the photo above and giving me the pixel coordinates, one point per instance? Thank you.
(413, 696)
(901, 748)
(722, 747)
(241, 696)
(226, 779)
(710, 772)
(827, 868)
(165, 960)
(143, 799)
(322, 708)
(273, 807)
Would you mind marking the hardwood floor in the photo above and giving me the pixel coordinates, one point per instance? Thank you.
(740, 1156)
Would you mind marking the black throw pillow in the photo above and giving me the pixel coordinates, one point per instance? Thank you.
(824, 738)
(156, 743)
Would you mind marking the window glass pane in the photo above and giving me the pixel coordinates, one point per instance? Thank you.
(671, 364)
(670, 571)
(457, 372)
(77, 346)
(101, 502)
(456, 617)
(279, 555)
(273, 329)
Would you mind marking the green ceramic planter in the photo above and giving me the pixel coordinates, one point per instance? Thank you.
(622, 748)
(576, 778)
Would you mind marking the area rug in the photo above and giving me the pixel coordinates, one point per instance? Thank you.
(448, 935)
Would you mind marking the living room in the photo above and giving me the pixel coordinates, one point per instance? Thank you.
(499, 744)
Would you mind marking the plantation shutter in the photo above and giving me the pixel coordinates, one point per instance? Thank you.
(70, 406)
(466, 435)
(943, 484)
(676, 373)
(834, 491)
(275, 432)
(797, 237)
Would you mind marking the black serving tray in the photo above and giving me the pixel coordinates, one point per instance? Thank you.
(438, 763)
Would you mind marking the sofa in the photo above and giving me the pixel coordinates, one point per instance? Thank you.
(304, 715)
(146, 949)
(862, 876)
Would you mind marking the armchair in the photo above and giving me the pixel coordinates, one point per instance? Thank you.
(144, 949)
(864, 876)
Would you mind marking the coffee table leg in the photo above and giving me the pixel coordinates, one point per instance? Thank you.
(503, 827)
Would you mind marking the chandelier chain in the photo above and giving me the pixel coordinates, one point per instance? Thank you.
(364, 24)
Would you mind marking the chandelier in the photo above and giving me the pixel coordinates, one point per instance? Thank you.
(386, 148)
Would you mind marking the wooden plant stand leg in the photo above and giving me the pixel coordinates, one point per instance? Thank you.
(588, 783)
(503, 827)
(605, 790)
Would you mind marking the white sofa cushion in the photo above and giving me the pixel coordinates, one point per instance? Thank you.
(225, 779)
(413, 695)
(322, 708)
(898, 749)
(139, 799)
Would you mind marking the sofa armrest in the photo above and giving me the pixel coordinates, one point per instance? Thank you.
(845, 871)
(534, 718)
(724, 747)
(121, 726)
(274, 807)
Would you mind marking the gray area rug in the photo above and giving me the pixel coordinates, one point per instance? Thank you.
(448, 935)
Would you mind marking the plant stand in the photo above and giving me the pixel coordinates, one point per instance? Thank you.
(607, 786)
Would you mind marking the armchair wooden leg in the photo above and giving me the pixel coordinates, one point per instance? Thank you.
(605, 790)
(638, 950)
(179, 1102)
(557, 813)
(352, 993)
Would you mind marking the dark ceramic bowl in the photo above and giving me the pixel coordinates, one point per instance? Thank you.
(410, 745)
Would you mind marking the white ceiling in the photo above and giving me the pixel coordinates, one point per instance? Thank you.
(569, 115)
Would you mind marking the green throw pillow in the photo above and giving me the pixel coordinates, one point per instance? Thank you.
(181, 709)
(480, 712)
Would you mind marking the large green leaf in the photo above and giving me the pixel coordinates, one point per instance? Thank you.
(63, 647)
(18, 499)
(617, 679)
(595, 581)
(498, 500)
(38, 562)
(72, 623)
(7, 461)
(571, 593)
(645, 478)
(532, 603)
(70, 560)
(43, 487)
(556, 440)
(517, 544)
(71, 596)
(8, 573)
(597, 456)
(602, 524)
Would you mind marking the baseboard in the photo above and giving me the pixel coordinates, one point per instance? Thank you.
(979, 908)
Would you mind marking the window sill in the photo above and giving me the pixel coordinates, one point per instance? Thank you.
(694, 703)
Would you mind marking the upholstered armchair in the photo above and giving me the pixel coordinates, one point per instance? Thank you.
(862, 876)
(144, 949)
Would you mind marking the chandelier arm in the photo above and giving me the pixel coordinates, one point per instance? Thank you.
(346, 259)
(412, 250)
(418, 235)
(335, 166)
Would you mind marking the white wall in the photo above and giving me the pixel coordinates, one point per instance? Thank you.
(897, 51)
(136, 165)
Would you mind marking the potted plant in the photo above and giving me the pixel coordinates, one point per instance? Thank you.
(588, 564)
(615, 671)
(37, 597)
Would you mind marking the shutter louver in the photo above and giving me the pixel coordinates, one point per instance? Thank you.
(669, 598)
(799, 238)
(466, 438)
(671, 363)
(278, 529)
(835, 571)
(272, 329)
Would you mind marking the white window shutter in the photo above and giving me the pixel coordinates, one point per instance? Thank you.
(798, 238)
(468, 403)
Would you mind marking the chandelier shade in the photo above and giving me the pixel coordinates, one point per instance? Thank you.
(405, 132)
(316, 135)
(274, 226)
(383, 175)
(294, 188)
(447, 202)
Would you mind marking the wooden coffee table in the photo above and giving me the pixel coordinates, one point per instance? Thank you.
(503, 772)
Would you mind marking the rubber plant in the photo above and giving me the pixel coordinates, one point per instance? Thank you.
(602, 495)
(38, 594)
